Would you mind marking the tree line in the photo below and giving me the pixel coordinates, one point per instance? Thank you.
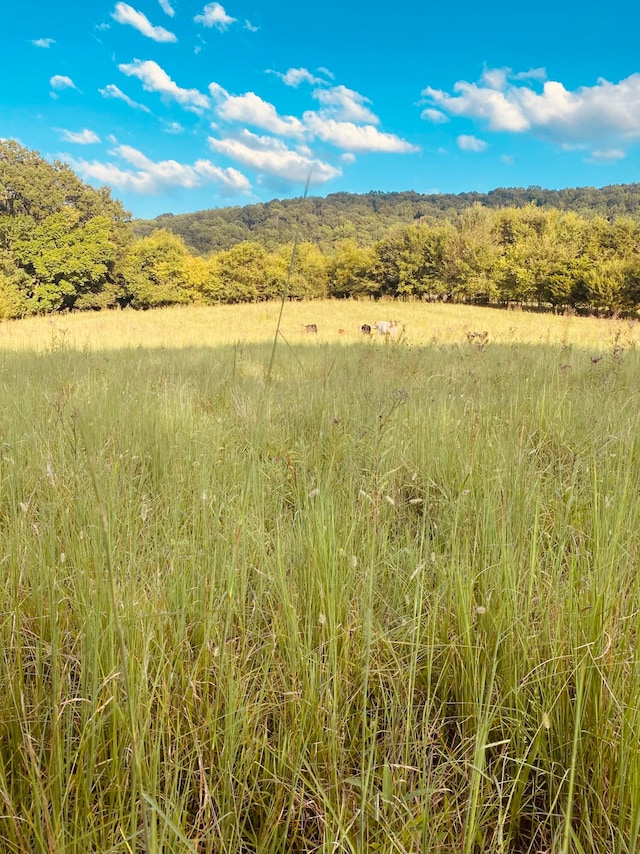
(368, 217)
(65, 245)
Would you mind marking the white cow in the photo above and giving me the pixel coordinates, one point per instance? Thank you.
(387, 327)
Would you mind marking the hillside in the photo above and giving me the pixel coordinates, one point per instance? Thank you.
(67, 246)
(368, 217)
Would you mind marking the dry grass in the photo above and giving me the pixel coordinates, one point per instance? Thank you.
(225, 324)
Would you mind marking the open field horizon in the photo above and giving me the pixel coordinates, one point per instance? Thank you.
(424, 324)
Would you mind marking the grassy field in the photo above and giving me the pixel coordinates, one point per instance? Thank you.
(423, 324)
(385, 599)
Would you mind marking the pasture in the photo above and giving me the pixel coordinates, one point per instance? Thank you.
(424, 324)
(384, 597)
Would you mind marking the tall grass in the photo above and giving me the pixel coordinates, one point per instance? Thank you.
(395, 610)
(337, 321)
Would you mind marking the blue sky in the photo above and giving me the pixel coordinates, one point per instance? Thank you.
(180, 105)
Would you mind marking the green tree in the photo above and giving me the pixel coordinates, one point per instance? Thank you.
(66, 237)
(308, 277)
(606, 284)
(31, 185)
(350, 270)
(469, 264)
(244, 273)
(15, 286)
(68, 262)
(631, 294)
(567, 284)
(156, 271)
(411, 260)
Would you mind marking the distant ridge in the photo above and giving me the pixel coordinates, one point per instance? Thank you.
(367, 217)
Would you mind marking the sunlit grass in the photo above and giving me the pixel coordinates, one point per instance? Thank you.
(393, 608)
(228, 324)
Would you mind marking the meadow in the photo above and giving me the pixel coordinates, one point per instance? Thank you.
(197, 326)
(351, 595)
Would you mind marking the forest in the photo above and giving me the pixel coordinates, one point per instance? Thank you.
(67, 246)
(368, 217)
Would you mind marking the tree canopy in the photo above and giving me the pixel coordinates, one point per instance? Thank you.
(32, 186)
(65, 245)
(61, 241)
(368, 217)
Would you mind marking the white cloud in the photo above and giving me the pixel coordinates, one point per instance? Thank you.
(509, 159)
(345, 105)
(251, 109)
(249, 26)
(155, 79)
(343, 120)
(471, 143)
(112, 91)
(437, 117)
(605, 116)
(173, 127)
(531, 74)
(230, 178)
(42, 42)
(214, 15)
(167, 8)
(83, 137)
(607, 155)
(125, 14)
(148, 177)
(495, 78)
(354, 137)
(272, 157)
(295, 76)
(481, 102)
(348, 157)
(59, 81)
(573, 146)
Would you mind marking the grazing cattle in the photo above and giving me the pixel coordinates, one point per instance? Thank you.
(387, 327)
(365, 329)
(311, 327)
